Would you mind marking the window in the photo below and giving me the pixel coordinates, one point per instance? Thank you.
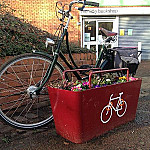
(90, 31)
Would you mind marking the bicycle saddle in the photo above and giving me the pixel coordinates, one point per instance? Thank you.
(107, 33)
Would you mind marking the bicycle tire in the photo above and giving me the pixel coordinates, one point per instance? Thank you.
(107, 109)
(17, 77)
(106, 65)
(121, 108)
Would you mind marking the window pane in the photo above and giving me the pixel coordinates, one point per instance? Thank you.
(90, 31)
(106, 25)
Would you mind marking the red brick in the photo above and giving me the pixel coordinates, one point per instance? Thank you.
(42, 15)
(85, 56)
(82, 56)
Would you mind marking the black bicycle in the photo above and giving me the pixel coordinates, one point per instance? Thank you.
(24, 99)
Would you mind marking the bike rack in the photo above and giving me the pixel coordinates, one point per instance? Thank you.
(107, 71)
(75, 70)
(80, 116)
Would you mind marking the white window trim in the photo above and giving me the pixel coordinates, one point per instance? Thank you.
(115, 21)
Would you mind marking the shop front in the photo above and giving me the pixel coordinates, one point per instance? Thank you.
(132, 23)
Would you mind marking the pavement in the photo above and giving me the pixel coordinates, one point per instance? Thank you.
(134, 135)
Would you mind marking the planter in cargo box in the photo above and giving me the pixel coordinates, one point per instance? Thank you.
(80, 116)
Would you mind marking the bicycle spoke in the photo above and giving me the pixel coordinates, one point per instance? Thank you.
(12, 88)
(18, 78)
(13, 101)
(30, 108)
(24, 109)
(16, 107)
(4, 90)
(13, 95)
(27, 71)
(4, 76)
(42, 73)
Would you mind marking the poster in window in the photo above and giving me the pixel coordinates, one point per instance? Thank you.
(130, 31)
(87, 37)
(92, 38)
(121, 32)
(89, 28)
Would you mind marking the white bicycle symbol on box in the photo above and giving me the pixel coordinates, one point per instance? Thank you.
(120, 108)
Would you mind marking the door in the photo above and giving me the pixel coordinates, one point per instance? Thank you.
(92, 38)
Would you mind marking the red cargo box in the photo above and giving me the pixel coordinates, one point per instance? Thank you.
(80, 116)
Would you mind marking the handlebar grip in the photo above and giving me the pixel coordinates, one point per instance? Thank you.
(91, 3)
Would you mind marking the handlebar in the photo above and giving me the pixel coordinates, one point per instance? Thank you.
(66, 13)
(88, 3)
(84, 3)
(91, 3)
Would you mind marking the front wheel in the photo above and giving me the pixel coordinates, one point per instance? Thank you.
(20, 76)
(106, 114)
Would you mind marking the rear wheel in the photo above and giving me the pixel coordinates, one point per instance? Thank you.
(19, 77)
(121, 107)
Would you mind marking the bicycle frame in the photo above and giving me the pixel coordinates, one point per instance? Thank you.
(112, 99)
(58, 53)
(55, 58)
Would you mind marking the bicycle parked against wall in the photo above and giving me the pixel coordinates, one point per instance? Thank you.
(24, 99)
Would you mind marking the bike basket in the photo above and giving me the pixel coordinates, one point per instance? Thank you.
(80, 116)
(126, 57)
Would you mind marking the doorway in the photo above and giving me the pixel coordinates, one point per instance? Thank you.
(92, 38)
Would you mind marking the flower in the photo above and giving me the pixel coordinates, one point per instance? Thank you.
(75, 88)
(97, 86)
(96, 82)
(108, 80)
(132, 79)
(124, 78)
(85, 83)
(78, 86)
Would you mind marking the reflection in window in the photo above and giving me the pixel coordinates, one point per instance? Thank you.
(106, 25)
(90, 31)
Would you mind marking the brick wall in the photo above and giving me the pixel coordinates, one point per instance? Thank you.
(80, 59)
(41, 13)
(24, 76)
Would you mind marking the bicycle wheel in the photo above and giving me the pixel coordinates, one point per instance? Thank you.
(122, 107)
(18, 78)
(106, 114)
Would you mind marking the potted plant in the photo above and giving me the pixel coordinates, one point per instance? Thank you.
(86, 109)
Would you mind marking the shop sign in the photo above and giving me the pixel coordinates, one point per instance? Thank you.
(115, 11)
(123, 2)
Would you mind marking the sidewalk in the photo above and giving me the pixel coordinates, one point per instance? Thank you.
(134, 135)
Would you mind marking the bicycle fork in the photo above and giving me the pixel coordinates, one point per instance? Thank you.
(50, 68)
